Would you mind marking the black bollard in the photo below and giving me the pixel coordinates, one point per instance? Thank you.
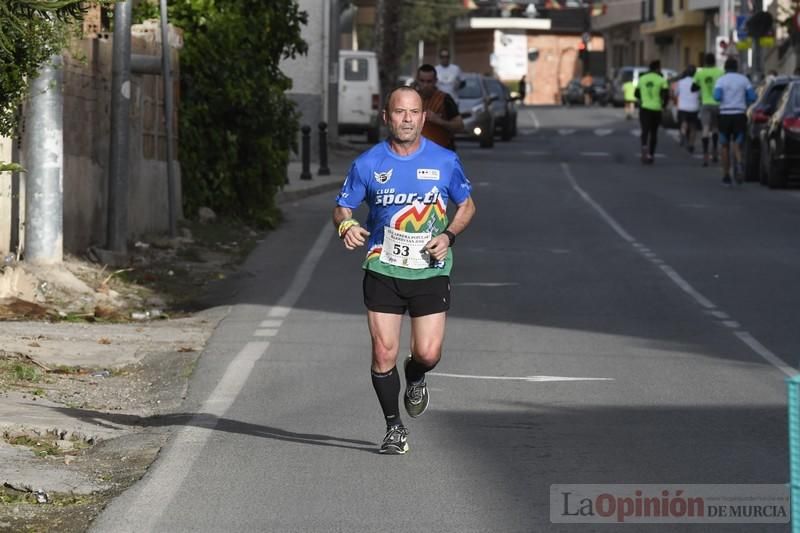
(323, 150)
(306, 149)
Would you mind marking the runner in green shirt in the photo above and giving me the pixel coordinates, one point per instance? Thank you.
(704, 81)
(653, 94)
(629, 95)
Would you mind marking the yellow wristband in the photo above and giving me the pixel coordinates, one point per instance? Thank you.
(345, 225)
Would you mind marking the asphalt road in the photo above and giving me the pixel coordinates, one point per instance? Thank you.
(656, 307)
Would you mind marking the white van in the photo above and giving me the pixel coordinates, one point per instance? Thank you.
(359, 93)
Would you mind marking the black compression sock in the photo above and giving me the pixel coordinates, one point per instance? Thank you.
(705, 145)
(387, 387)
(415, 371)
(714, 139)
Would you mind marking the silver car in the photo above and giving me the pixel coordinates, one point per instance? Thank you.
(474, 103)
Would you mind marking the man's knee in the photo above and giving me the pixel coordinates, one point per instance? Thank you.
(383, 350)
(428, 354)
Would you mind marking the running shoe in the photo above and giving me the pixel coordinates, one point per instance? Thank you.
(726, 180)
(395, 442)
(416, 396)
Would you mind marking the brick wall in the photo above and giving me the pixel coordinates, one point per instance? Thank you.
(557, 64)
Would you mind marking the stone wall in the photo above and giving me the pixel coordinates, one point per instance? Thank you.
(87, 121)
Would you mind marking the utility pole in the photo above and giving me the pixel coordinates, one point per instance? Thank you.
(118, 173)
(757, 62)
(388, 41)
(333, 70)
(166, 74)
(44, 161)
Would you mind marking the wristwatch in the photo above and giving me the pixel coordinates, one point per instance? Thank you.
(450, 236)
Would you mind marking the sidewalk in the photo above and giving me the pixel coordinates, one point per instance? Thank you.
(110, 400)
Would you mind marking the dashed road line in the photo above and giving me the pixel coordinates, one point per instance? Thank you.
(151, 497)
(534, 118)
(709, 306)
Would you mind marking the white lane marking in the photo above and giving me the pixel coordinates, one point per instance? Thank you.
(482, 184)
(636, 133)
(517, 378)
(602, 132)
(764, 352)
(605, 216)
(676, 278)
(566, 131)
(271, 323)
(686, 287)
(278, 312)
(731, 324)
(595, 154)
(657, 155)
(269, 332)
(534, 119)
(675, 134)
(487, 284)
(164, 479)
(533, 152)
(720, 314)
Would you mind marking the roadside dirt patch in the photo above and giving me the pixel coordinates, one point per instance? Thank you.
(124, 309)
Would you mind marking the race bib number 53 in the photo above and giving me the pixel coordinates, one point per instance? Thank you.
(401, 248)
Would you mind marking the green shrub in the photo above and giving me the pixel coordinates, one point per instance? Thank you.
(236, 123)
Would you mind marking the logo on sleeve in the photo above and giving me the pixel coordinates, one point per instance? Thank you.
(427, 173)
(383, 177)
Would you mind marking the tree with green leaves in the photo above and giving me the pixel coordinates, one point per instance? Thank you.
(31, 31)
(429, 21)
(237, 125)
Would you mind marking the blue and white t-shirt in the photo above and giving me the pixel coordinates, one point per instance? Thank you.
(407, 198)
(734, 93)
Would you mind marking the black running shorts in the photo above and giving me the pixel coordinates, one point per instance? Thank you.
(421, 297)
(732, 128)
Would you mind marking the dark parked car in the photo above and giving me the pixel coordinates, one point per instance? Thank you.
(572, 93)
(780, 139)
(504, 109)
(757, 118)
(473, 104)
(600, 90)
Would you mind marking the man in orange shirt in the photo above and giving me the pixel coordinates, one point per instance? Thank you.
(442, 119)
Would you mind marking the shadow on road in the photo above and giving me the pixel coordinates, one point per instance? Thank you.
(208, 421)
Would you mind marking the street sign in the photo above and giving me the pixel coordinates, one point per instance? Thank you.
(741, 27)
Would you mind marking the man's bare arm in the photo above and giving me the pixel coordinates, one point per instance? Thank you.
(438, 246)
(355, 235)
(341, 214)
(463, 216)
